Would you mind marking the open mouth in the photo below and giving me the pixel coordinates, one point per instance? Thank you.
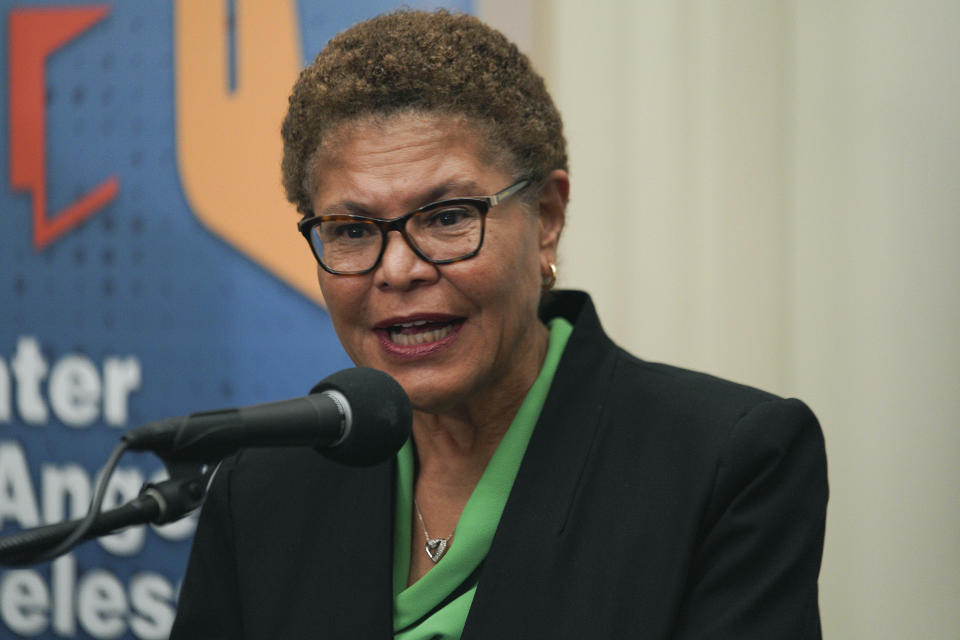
(418, 332)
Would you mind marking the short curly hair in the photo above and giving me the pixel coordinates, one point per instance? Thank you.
(422, 62)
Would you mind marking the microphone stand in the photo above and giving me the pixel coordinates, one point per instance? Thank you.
(157, 503)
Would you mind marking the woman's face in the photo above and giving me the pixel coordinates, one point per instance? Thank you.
(454, 333)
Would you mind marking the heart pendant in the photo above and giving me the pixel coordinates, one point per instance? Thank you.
(436, 548)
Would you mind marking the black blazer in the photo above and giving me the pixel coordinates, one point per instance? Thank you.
(652, 503)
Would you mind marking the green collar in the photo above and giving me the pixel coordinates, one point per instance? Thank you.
(436, 605)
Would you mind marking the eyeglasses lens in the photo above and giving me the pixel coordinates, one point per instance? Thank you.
(444, 233)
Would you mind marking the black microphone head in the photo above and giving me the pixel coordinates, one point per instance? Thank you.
(381, 416)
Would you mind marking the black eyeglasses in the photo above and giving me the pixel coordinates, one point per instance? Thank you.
(440, 232)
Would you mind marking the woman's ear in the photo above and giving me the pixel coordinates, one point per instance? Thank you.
(553, 214)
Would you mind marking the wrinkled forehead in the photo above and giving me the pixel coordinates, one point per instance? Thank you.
(410, 132)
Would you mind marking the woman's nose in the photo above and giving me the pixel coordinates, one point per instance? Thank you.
(401, 268)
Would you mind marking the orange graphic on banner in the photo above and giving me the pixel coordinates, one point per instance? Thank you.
(34, 35)
(228, 141)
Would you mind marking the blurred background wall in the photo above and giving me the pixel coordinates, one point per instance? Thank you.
(770, 191)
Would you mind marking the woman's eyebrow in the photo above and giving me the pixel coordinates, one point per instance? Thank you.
(345, 207)
(452, 188)
(444, 191)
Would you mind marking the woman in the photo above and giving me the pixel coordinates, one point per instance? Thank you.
(554, 486)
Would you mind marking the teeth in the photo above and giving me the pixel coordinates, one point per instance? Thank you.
(415, 323)
(424, 337)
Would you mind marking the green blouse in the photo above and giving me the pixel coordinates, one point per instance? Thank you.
(436, 605)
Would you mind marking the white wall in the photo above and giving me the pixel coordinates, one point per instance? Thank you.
(771, 191)
(875, 234)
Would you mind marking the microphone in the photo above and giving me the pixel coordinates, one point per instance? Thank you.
(358, 417)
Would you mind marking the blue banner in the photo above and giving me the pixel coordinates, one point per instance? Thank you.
(149, 267)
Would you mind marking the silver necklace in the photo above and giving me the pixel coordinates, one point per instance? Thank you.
(435, 547)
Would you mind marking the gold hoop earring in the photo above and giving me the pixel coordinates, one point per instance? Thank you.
(551, 279)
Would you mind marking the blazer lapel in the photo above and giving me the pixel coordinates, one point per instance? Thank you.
(521, 555)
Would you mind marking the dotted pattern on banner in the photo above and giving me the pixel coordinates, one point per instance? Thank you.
(142, 275)
(141, 278)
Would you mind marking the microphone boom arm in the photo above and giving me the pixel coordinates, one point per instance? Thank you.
(357, 416)
(157, 503)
